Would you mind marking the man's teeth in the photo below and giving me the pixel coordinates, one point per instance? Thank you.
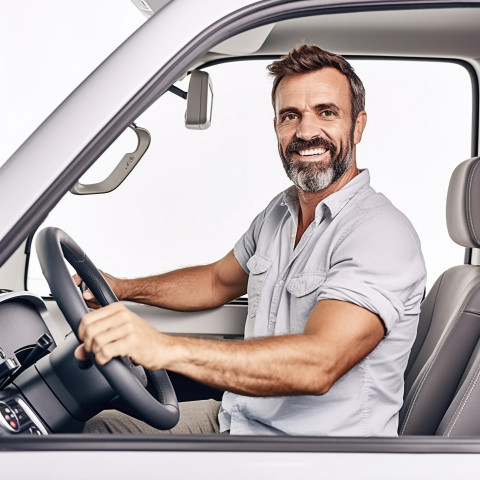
(313, 151)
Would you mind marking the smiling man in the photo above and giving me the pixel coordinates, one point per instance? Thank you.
(334, 275)
(314, 162)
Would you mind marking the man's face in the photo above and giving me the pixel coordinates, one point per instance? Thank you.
(315, 132)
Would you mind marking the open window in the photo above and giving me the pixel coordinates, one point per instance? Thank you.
(196, 191)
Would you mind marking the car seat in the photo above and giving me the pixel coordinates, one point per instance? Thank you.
(442, 392)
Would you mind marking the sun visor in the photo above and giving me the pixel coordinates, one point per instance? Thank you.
(243, 43)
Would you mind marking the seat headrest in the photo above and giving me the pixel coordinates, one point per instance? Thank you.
(463, 204)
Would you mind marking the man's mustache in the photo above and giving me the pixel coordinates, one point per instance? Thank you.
(298, 144)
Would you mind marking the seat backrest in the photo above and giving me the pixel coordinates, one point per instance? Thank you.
(462, 416)
(441, 372)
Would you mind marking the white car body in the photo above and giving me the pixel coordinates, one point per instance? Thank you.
(71, 139)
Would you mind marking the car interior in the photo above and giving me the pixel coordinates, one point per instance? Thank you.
(45, 391)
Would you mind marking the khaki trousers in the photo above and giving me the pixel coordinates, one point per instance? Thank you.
(196, 418)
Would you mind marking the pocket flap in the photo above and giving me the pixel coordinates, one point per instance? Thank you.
(258, 264)
(305, 283)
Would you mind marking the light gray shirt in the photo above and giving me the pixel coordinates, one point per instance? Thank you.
(359, 249)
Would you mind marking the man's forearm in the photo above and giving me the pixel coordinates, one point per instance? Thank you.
(294, 364)
(185, 289)
(287, 365)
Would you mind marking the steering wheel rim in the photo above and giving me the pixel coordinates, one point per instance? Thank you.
(55, 248)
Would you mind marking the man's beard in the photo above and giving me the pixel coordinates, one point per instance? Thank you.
(316, 176)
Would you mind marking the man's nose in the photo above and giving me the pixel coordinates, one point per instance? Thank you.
(308, 127)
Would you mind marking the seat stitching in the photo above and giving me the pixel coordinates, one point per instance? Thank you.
(434, 359)
(464, 401)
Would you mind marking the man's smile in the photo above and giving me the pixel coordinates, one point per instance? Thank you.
(313, 150)
(310, 155)
(309, 152)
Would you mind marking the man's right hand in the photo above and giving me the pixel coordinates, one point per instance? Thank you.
(88, 296)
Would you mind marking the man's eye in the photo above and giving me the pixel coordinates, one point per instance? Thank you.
(289, 117)
(328, 113)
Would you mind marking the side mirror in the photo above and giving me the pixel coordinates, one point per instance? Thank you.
(199, 101)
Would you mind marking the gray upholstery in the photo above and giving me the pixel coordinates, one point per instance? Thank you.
(462, 416)
(438, 311)
(463, 204)
(441, 392)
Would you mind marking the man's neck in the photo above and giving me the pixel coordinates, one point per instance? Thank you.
(310, 200)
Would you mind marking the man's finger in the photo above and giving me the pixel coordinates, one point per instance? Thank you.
(80, 353)
(88, 295)
(100, 320)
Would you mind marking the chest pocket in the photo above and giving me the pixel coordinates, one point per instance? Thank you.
(304, 289)
(258, 267)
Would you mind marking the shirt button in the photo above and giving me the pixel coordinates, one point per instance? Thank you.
(293, 235)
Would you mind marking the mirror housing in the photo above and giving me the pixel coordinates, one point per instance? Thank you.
(199, 101)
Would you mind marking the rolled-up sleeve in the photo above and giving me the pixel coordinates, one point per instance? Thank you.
(377, 265)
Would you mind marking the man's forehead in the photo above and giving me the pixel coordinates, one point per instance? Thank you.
(326, 85)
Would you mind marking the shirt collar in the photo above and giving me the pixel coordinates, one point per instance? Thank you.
(334, 202)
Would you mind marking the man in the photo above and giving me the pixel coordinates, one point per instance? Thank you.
(334, 275)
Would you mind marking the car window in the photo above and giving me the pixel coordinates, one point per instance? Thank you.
(195, 192)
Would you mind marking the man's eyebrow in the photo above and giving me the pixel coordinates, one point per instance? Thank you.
(327, 106)
(288, 110)
(318, 108)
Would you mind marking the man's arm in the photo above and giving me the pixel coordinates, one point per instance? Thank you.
(187, 289)
(337, 336)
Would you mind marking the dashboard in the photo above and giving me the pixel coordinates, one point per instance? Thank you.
(43, 388)
(24, 340)
(17, 416)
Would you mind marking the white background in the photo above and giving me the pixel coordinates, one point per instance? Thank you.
(418, 129)
(47, 47)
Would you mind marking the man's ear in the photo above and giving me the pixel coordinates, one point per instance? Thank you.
(360, 123)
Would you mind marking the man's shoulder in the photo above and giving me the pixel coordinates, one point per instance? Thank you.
(374, 217)
(377, 206)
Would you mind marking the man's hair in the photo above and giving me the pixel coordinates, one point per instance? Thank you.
(309, 58)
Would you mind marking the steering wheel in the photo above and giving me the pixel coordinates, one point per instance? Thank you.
(54, 246)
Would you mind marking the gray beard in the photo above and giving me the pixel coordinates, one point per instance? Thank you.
(314, 176)
(310, 179)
